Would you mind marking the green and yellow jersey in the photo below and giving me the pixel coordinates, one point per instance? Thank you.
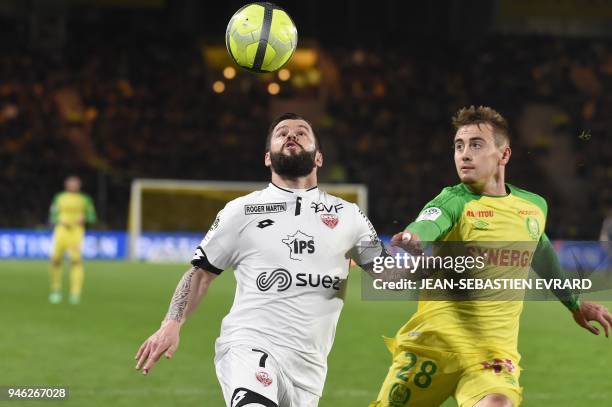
(512, 225)
(72, 209)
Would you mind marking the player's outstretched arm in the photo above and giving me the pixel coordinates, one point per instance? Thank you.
(546, 264)
(188, 294)
(591, 311)
(408, 242)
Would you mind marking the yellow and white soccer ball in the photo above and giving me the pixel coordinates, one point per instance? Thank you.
(261, 37)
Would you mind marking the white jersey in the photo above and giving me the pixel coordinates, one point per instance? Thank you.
(290, 251)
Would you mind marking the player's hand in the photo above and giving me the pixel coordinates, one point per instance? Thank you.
(590, 311)
(164, 341)
(410, 242)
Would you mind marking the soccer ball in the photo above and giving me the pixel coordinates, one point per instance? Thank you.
(261, 37)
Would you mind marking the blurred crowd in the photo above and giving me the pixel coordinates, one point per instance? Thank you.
(115, 109)
(394, 110)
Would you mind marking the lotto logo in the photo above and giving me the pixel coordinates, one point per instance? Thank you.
(265, 223)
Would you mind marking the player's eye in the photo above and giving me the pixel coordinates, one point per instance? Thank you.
(458, 147)
(476, 146)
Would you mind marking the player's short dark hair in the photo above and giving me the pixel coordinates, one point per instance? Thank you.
(289, 116)
(484, 115)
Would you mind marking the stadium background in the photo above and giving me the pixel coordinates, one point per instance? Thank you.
(117, 90)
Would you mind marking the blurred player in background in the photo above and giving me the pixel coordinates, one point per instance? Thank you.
(468, 349)
(290, 246)
(70, 211)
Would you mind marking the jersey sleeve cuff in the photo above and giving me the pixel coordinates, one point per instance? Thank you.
(428, 231)
(573, 304)
(201, 261)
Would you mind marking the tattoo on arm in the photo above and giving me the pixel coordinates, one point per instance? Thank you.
(181, 296)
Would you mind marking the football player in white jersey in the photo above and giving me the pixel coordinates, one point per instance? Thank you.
(290, 247)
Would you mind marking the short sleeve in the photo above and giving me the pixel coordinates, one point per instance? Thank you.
(366, 244)
(217, 251)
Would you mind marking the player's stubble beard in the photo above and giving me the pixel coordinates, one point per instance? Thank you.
(293, 165)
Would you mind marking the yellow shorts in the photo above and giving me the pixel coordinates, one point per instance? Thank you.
(67, 239)
(422, 377)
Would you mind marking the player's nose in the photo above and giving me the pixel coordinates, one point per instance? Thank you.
(466, 157)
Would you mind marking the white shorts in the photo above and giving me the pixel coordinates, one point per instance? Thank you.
(250, 377)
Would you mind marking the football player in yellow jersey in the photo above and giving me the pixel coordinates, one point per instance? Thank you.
(468, 349)
(69, 212)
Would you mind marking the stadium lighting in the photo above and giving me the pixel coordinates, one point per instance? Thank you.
(313, 76)
(229, 72)
(299, 81)
(284, 74)
(218, 86)
(273, 88)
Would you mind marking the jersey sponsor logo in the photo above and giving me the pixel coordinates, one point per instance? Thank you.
(279, 277)
(316, 280)
(283, 280)
(258, 209)
(299, 244)
(498, 365)
(432, 214)
(213, 227)
(502, 257)
(533, 227)
(330, 220)
(480, 214)
(373, 235)
(263, 378)
(480, 224)
(215, 224)
(321, 207)
(526, 212)
(265, 223)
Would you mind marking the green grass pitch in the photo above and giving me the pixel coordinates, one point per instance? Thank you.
(90, 347)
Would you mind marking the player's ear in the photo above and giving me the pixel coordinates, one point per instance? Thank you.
(318, 159)
(267, 160)
(505, 156)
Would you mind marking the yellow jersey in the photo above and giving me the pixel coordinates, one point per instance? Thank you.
(512, 225)
(72, 209)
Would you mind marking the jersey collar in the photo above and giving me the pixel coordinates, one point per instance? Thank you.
(469, 191)
(289, 192)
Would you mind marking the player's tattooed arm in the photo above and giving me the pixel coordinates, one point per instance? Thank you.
(181, 296)
(188, 294)
(165, 340)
